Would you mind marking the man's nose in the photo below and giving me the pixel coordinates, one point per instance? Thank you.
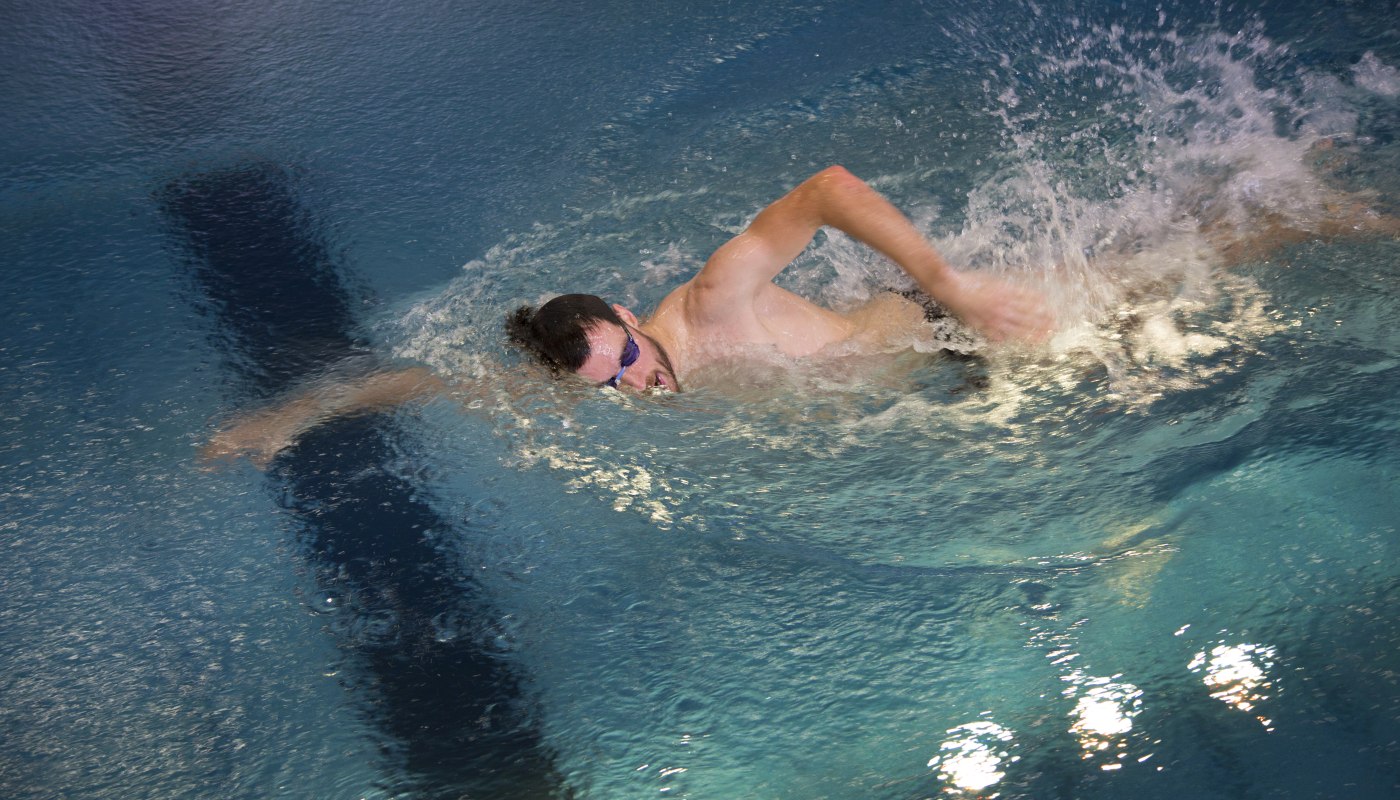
(636, 379)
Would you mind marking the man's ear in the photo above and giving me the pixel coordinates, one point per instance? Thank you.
(627, 316)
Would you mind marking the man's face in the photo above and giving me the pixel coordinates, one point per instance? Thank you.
(607, 343)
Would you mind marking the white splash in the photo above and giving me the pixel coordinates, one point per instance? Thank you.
(1374, 75)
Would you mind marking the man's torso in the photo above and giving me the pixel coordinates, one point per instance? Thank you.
(792, 325)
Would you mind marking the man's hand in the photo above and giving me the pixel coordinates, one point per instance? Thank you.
(995, 308)
(263, 434)
(258, 437)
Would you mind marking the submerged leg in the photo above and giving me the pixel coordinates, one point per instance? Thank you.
(1340, 213)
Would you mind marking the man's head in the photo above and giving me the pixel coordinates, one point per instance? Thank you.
(582, 334)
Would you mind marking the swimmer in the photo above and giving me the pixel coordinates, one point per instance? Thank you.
(732, 301)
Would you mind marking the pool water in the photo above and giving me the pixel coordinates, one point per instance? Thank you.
(1156, 558)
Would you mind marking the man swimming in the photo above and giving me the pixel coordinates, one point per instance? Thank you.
(732, 301)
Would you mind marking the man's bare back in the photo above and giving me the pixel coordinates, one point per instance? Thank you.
(732, 305)
(732, 302)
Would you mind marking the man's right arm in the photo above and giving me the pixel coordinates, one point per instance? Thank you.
(261, 435)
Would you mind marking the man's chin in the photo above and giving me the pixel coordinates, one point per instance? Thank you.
(665, 377)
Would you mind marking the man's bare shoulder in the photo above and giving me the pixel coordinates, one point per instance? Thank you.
(694, 305)
(692, 316)
(674, 314)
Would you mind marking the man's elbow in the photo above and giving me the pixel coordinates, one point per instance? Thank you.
(836, 174)
(836, 180)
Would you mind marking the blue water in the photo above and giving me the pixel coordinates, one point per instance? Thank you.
(1155, 559)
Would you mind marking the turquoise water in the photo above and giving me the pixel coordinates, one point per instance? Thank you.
(1155, 559)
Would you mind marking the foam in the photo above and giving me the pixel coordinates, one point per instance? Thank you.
(1372, 74)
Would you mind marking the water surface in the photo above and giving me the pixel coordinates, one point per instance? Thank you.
(1156, 559)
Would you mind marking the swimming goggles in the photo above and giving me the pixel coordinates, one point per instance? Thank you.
(630, 352)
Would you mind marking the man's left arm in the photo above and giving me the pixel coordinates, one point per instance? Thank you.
(839, 199)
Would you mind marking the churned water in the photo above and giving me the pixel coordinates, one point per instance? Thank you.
(1156, 558)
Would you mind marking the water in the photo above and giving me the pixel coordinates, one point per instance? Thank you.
(1154, 560)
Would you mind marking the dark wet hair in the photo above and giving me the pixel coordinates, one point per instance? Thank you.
(557, 333)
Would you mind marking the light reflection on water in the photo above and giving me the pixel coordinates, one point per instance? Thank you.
(974, 758)
(1103, 716)
(1238, 675)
